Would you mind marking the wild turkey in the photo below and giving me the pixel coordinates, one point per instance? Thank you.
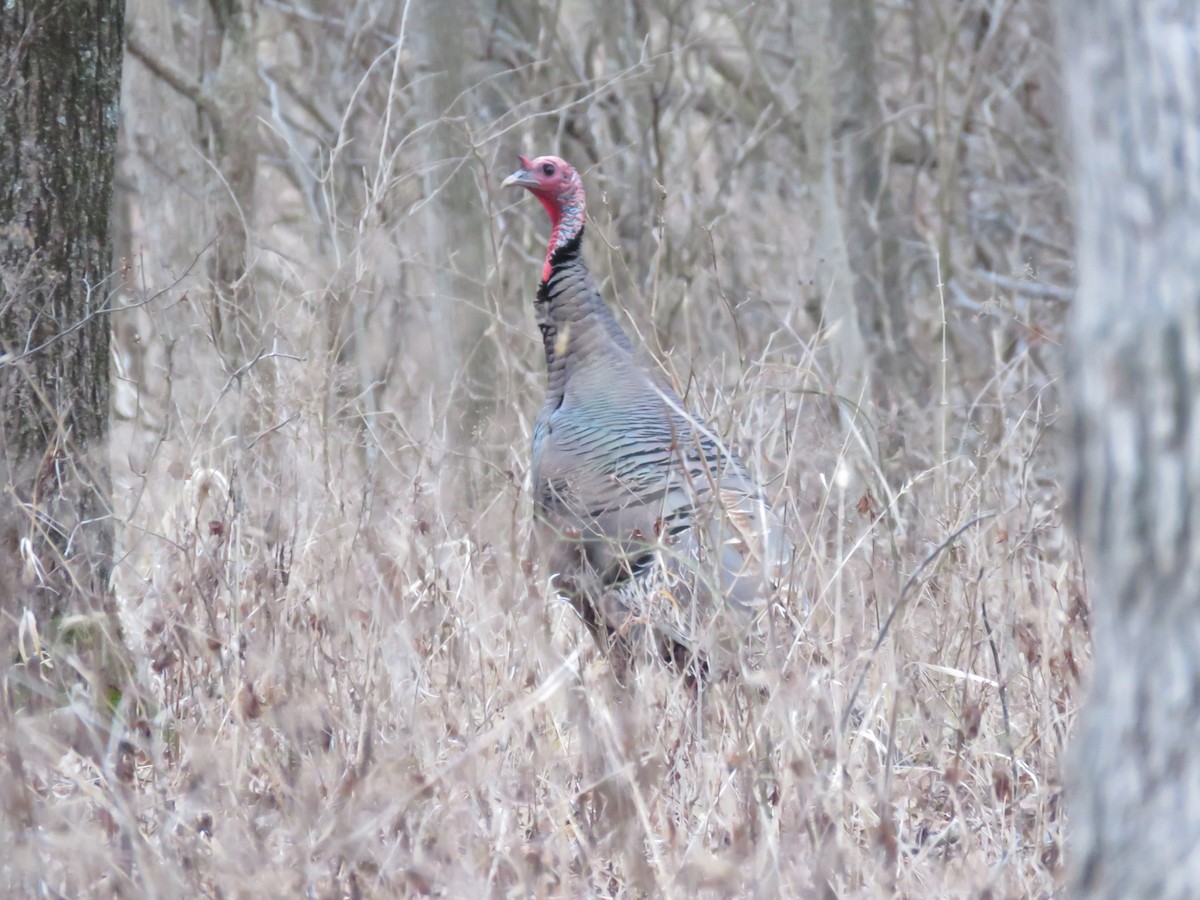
(649, 525)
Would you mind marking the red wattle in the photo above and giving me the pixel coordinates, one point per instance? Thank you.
(552, 210)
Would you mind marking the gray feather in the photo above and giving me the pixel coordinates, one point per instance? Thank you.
(641, 513)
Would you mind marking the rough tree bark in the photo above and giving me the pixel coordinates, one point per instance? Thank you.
(1133, 73)
(61, 64)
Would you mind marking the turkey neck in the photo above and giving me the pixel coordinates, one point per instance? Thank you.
(578, 329)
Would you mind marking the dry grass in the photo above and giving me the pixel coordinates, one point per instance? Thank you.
(345, 675)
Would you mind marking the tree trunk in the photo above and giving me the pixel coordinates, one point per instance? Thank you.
(1133, 75)
(836, 282)
(240, 323)
(869, 219)
(62, 68)
(456, 248)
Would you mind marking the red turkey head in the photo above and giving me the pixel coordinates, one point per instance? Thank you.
(553, 181)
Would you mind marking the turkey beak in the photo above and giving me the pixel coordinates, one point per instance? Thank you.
(522, 177)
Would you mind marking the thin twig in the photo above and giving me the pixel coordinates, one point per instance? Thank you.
(1039, 290)
(898, 605)
(1000, 687)
(174, 77)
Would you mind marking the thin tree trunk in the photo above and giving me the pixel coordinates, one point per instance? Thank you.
(868, 214)
(1133, 72)
(456, 250)
(839, 311)
(240, 323)
(62, 68)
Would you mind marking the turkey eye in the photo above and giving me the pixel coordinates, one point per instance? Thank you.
(547, 169)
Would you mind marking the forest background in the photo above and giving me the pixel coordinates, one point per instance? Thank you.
(843, 230)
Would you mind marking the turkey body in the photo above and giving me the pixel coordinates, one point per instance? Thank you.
(649, 526)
